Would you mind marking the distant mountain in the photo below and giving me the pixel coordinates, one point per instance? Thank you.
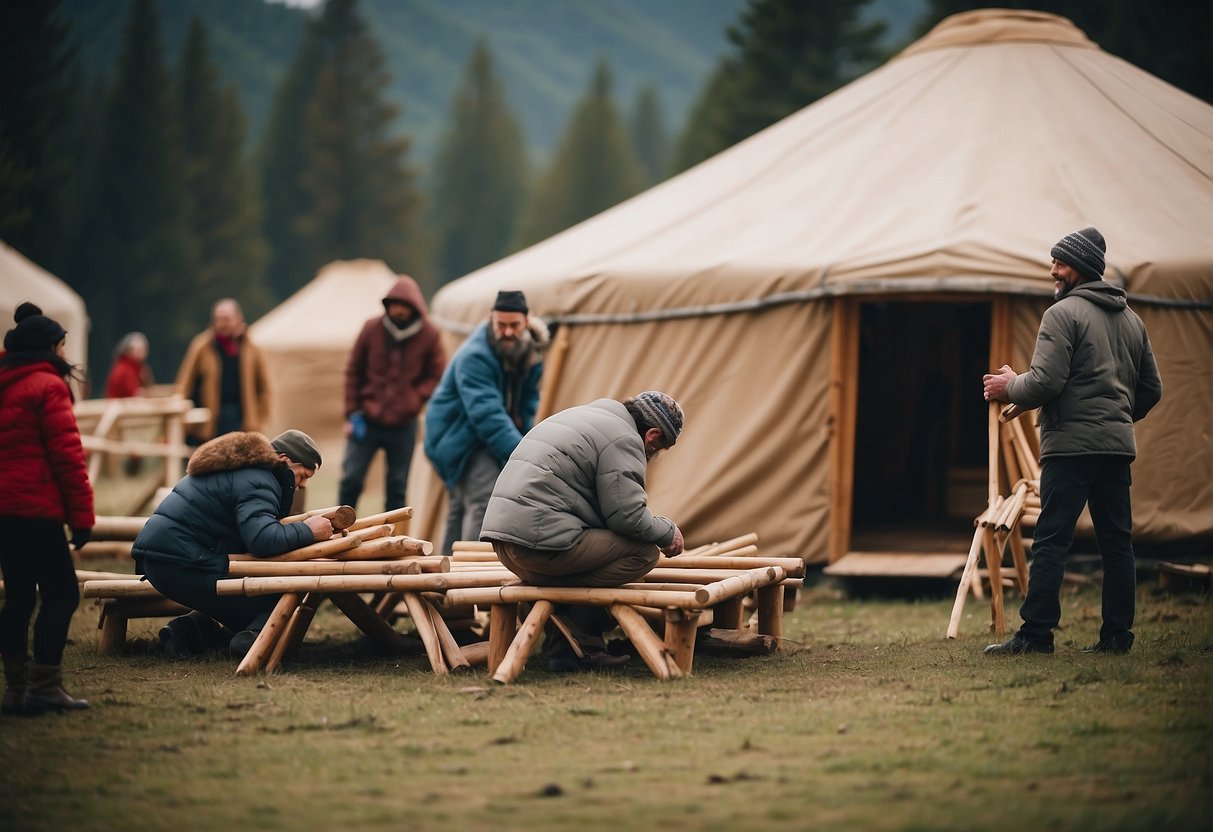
(545, 50)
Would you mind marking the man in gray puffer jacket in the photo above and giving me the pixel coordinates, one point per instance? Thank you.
(570, 507)
(1093, 375)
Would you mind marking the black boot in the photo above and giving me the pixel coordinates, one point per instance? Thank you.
(46, 693)
(1017, 645)
(16, 669)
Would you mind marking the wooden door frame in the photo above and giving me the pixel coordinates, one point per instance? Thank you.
(844, 392)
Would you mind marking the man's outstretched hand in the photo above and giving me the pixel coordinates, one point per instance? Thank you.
(995, 384)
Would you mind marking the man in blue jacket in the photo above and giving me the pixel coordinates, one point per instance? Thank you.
(236, 490)
(1093, 375)
(485, 402)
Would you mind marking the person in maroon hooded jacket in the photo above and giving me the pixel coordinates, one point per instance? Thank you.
(45, 485)
(392, 371)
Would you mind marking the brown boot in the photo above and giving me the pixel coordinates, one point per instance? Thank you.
(15, 669)
(46, 693)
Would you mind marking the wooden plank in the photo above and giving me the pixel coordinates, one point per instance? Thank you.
(904, 564)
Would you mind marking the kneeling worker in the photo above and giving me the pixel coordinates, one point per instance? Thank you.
(236, 489)
(570, 508)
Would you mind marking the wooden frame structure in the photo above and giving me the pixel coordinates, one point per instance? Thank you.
(1011, 454)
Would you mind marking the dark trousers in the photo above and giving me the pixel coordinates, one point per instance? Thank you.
(196, 590)
(34, 557)
(1066, 485)
(599, 558)
(397, 445)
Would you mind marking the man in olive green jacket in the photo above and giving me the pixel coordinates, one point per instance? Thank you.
(570, 508)
(1093, 375)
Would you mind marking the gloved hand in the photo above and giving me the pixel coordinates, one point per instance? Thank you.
(80, 537)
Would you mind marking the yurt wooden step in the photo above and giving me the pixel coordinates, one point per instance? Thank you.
(905, 564)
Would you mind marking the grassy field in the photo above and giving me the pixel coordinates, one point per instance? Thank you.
(870, 721)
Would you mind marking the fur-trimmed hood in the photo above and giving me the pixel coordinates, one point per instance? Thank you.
(242, 449)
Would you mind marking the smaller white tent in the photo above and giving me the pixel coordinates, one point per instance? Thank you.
(307, 339)
(21, 279)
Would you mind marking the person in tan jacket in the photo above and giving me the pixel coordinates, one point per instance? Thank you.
(225, 372)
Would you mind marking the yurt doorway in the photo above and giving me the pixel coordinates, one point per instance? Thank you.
(920, 424)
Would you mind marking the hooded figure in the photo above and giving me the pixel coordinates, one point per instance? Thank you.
(393, 368)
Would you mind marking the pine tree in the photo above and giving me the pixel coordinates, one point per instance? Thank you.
(336, 183)
(137, 257)
(649, 134)
(595, 166)
(37, 65)
(480, 177)
(221, 207)
(283, 196)
(787, 54)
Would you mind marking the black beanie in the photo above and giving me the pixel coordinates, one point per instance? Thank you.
(1083, 251)
(298, 447)
(34, 331)
(510, 302)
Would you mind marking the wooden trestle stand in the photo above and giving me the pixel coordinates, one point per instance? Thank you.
(1010, 451)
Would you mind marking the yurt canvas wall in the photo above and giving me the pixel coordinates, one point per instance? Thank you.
(21, 279)
(760, 287)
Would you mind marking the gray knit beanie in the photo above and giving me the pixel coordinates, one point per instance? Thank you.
(298, 447)
(660, 411)
(1083, 251)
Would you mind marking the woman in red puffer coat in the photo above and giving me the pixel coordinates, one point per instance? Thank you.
(44, 486)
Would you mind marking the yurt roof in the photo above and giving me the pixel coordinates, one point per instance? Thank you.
(953, 167)
(23, 280)
(329, 311)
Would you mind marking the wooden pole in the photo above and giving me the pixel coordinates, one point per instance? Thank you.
(133, 588)
(425, 629)
(476, 653)
(793, 566)
(334, 547)
(503, 625)
(342, 517)
(396, 546)
(966, 578)
(451, 651)
(728, 614)
(770, 611)
(1020, 559)
(109, 527)
(460, 546)
(523, 643)
(261, 569)
(680, 631)
(434, 582)
(264, 643)
(650, 648)
(565, 630)
(296, 628)
(389, 518)
(728, 545)
(998, 621)
(992, 452)
(738, 585)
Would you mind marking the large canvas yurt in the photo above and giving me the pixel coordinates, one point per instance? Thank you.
(307, 340)
(825, 296)
(23, 280)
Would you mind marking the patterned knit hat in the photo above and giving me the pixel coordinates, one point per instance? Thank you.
(34, 331)
(660, 411)
(1083, 251)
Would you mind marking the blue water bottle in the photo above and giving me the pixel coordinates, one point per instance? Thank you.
(358, 423)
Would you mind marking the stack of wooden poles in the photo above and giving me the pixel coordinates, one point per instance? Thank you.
(1011, 457)
(703, 587)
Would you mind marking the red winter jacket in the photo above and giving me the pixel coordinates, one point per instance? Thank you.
(42, 470)
(126, 379)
